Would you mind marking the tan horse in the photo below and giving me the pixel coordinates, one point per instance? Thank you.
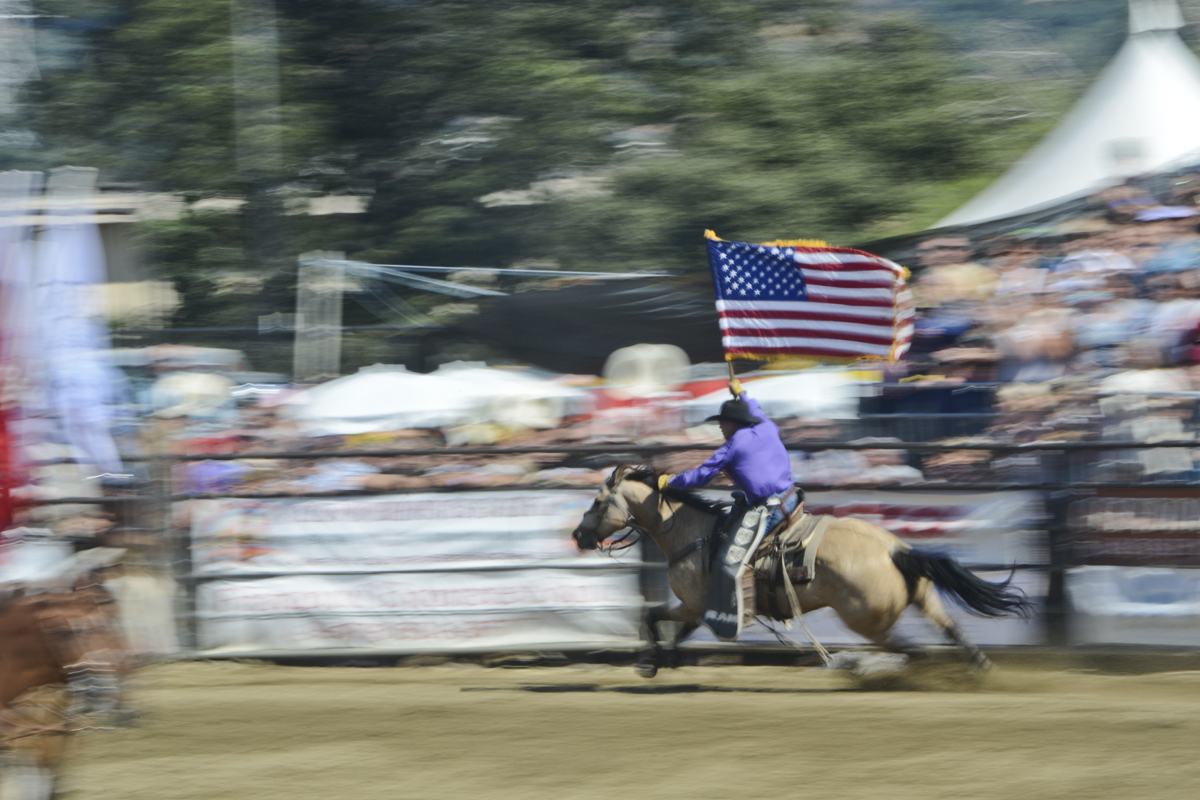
(865, 574)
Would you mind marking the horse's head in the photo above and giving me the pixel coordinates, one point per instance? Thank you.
(609, 513)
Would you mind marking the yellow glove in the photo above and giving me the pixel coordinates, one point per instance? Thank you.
(663, 480)
(735, 386)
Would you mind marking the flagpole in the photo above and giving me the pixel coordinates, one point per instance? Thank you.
(732, 377)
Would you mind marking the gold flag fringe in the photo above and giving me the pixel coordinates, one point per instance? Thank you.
(817, 360)
(777, 242)
(795, 243)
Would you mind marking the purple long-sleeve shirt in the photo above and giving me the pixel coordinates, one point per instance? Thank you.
(754, 458)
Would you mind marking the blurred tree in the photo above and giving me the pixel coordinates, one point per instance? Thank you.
(593, 134)
(149, 94)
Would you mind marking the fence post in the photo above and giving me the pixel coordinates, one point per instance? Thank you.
(175, 548)
(1056, 468)
(318, 351)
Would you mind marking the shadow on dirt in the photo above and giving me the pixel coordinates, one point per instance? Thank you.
(649, 688)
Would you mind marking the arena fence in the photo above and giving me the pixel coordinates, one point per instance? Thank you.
(264, 575)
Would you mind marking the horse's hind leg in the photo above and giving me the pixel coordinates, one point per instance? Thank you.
(925, 597)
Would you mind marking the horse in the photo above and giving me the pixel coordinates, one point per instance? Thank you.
(863, 572)
(63, 661)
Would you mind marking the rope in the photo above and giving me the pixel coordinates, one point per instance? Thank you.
(799, 615)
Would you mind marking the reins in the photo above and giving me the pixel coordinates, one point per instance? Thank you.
(636, 532)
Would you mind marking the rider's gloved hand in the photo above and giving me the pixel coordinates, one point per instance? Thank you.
(735, 386)
(663, 480)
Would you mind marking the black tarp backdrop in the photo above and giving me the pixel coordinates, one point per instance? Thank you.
(575, 328)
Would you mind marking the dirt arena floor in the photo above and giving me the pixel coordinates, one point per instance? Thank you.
(212, 731)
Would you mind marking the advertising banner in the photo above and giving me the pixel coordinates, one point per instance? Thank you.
(497, 570)
(977, 528)
(1155, 528)
(1134, 606)
(470, 570)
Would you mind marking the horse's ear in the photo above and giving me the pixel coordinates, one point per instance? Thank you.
(617, 475)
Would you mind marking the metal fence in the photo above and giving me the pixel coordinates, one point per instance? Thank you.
(1086, 522)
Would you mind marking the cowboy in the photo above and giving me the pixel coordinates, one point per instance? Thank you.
(755, 459)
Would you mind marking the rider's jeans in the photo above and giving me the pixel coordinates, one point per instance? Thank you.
(786, 507)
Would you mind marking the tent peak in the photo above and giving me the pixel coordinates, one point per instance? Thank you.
(1154, 15)
(1140, 116)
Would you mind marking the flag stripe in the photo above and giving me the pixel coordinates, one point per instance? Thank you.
(785, 333)
(839, 293)
(841, 263)
(785, 308)
(884, 323)
(749, 325)
(853, 301)
(864, 280)
(808, 343)
(814, 352)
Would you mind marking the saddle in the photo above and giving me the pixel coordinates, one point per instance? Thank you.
(787, 556)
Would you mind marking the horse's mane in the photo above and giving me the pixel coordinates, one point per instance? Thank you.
(649, 476)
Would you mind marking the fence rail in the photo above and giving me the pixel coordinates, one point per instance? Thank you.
(662, 449)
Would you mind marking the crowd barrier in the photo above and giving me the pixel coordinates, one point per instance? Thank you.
(494, 570)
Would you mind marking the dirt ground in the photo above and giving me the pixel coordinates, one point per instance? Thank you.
(265, 732)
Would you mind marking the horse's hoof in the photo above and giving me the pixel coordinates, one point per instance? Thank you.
(646, 669)
(982, 664)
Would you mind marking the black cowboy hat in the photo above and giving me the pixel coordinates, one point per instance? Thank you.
(735, 411)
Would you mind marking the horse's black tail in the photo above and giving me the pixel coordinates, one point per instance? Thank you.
(976, 595)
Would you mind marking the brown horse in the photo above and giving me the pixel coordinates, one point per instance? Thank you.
(63, 660)
(865, 574)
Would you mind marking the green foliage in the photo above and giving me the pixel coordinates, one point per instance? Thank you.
(196, 252)
(1088, 32)
(760, 119)
(783, 150)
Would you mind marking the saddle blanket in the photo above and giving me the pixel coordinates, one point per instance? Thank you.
(786, 558)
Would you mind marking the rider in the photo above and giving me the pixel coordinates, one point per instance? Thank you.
(755, 459)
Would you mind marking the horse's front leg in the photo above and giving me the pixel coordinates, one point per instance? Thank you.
(664, 628)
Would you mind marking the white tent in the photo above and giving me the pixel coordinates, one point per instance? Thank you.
(1141, 116)
(386, 398)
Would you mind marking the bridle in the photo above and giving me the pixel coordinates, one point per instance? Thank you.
(636, 532)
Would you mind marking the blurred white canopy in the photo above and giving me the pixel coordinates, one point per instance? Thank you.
(386, 398)
(643, 370)
(1142, 115)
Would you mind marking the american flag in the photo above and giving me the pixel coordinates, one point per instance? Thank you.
(783, 300)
